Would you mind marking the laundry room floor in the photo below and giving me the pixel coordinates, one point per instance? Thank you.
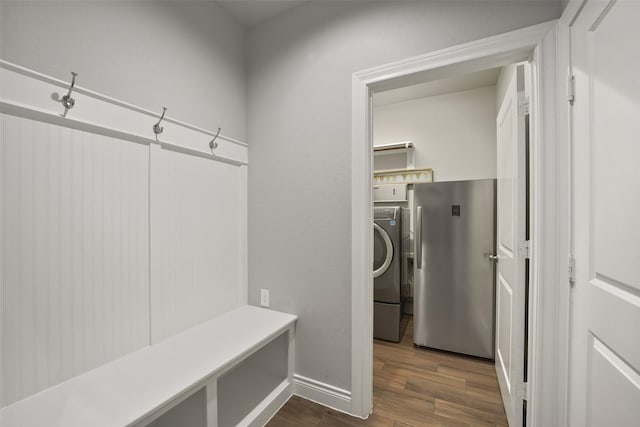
(414, 387)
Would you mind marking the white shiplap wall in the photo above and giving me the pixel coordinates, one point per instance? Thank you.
(112, 238)
(196, 248)
(75, 246)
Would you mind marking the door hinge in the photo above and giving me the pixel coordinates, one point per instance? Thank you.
(523, 106)
(525, 251)
(521, 390)
(571, 89)
(572, 271)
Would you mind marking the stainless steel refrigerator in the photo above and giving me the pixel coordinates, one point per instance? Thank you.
(454, 276)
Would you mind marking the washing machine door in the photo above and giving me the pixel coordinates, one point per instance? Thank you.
(382, 251)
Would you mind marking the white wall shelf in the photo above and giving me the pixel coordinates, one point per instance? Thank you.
(33, 95)
(396, 149)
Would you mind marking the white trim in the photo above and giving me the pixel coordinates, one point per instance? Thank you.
(30, 94)
(2, 287)
(322, 393)
(211, 391)
(486, 53)
(79, 89)
(565, 231)
(361, 249)
(549, 321)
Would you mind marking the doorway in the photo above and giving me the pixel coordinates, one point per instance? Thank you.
(452, 154)
(532, 44)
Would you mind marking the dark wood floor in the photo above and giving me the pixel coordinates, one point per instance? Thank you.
(414, 387)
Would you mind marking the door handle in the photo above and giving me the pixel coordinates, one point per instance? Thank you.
(418, 237)
(494, 258)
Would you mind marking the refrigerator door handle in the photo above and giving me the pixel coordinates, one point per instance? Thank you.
(418, 237)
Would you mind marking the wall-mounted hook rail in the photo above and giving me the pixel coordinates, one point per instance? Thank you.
(157, 129)
(213, 144)
(67, 101)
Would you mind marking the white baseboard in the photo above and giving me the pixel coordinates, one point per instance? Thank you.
(322, 393)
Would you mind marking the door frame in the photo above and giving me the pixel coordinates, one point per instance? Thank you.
(549, 299)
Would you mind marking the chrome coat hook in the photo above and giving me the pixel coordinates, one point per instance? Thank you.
(67, 101)
(213, 144)
(157, 129)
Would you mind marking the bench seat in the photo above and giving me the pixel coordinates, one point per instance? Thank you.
(139, 387)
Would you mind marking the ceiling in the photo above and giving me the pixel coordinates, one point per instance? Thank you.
(250, 13)
(437, 87)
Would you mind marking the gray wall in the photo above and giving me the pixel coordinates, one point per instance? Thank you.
(453, 133)
(187, 56)
(300, 67)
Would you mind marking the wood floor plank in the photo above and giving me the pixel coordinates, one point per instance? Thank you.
(413, 387)
(378, 364)
(435, 377)
(459, 361)
(483, 392)
(385, 380)
(412, 362)
(469, 375)
(474, 417)
(450, 394)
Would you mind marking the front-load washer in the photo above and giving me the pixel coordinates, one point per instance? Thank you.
(387, 258)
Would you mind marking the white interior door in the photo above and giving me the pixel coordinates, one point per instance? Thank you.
(604, 387)
(511, 234)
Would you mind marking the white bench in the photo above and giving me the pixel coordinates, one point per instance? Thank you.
(196, 367)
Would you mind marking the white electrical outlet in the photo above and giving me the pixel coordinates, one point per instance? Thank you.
(264, 297)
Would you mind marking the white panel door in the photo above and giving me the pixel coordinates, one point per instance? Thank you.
(604, 363)
(511, 232)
